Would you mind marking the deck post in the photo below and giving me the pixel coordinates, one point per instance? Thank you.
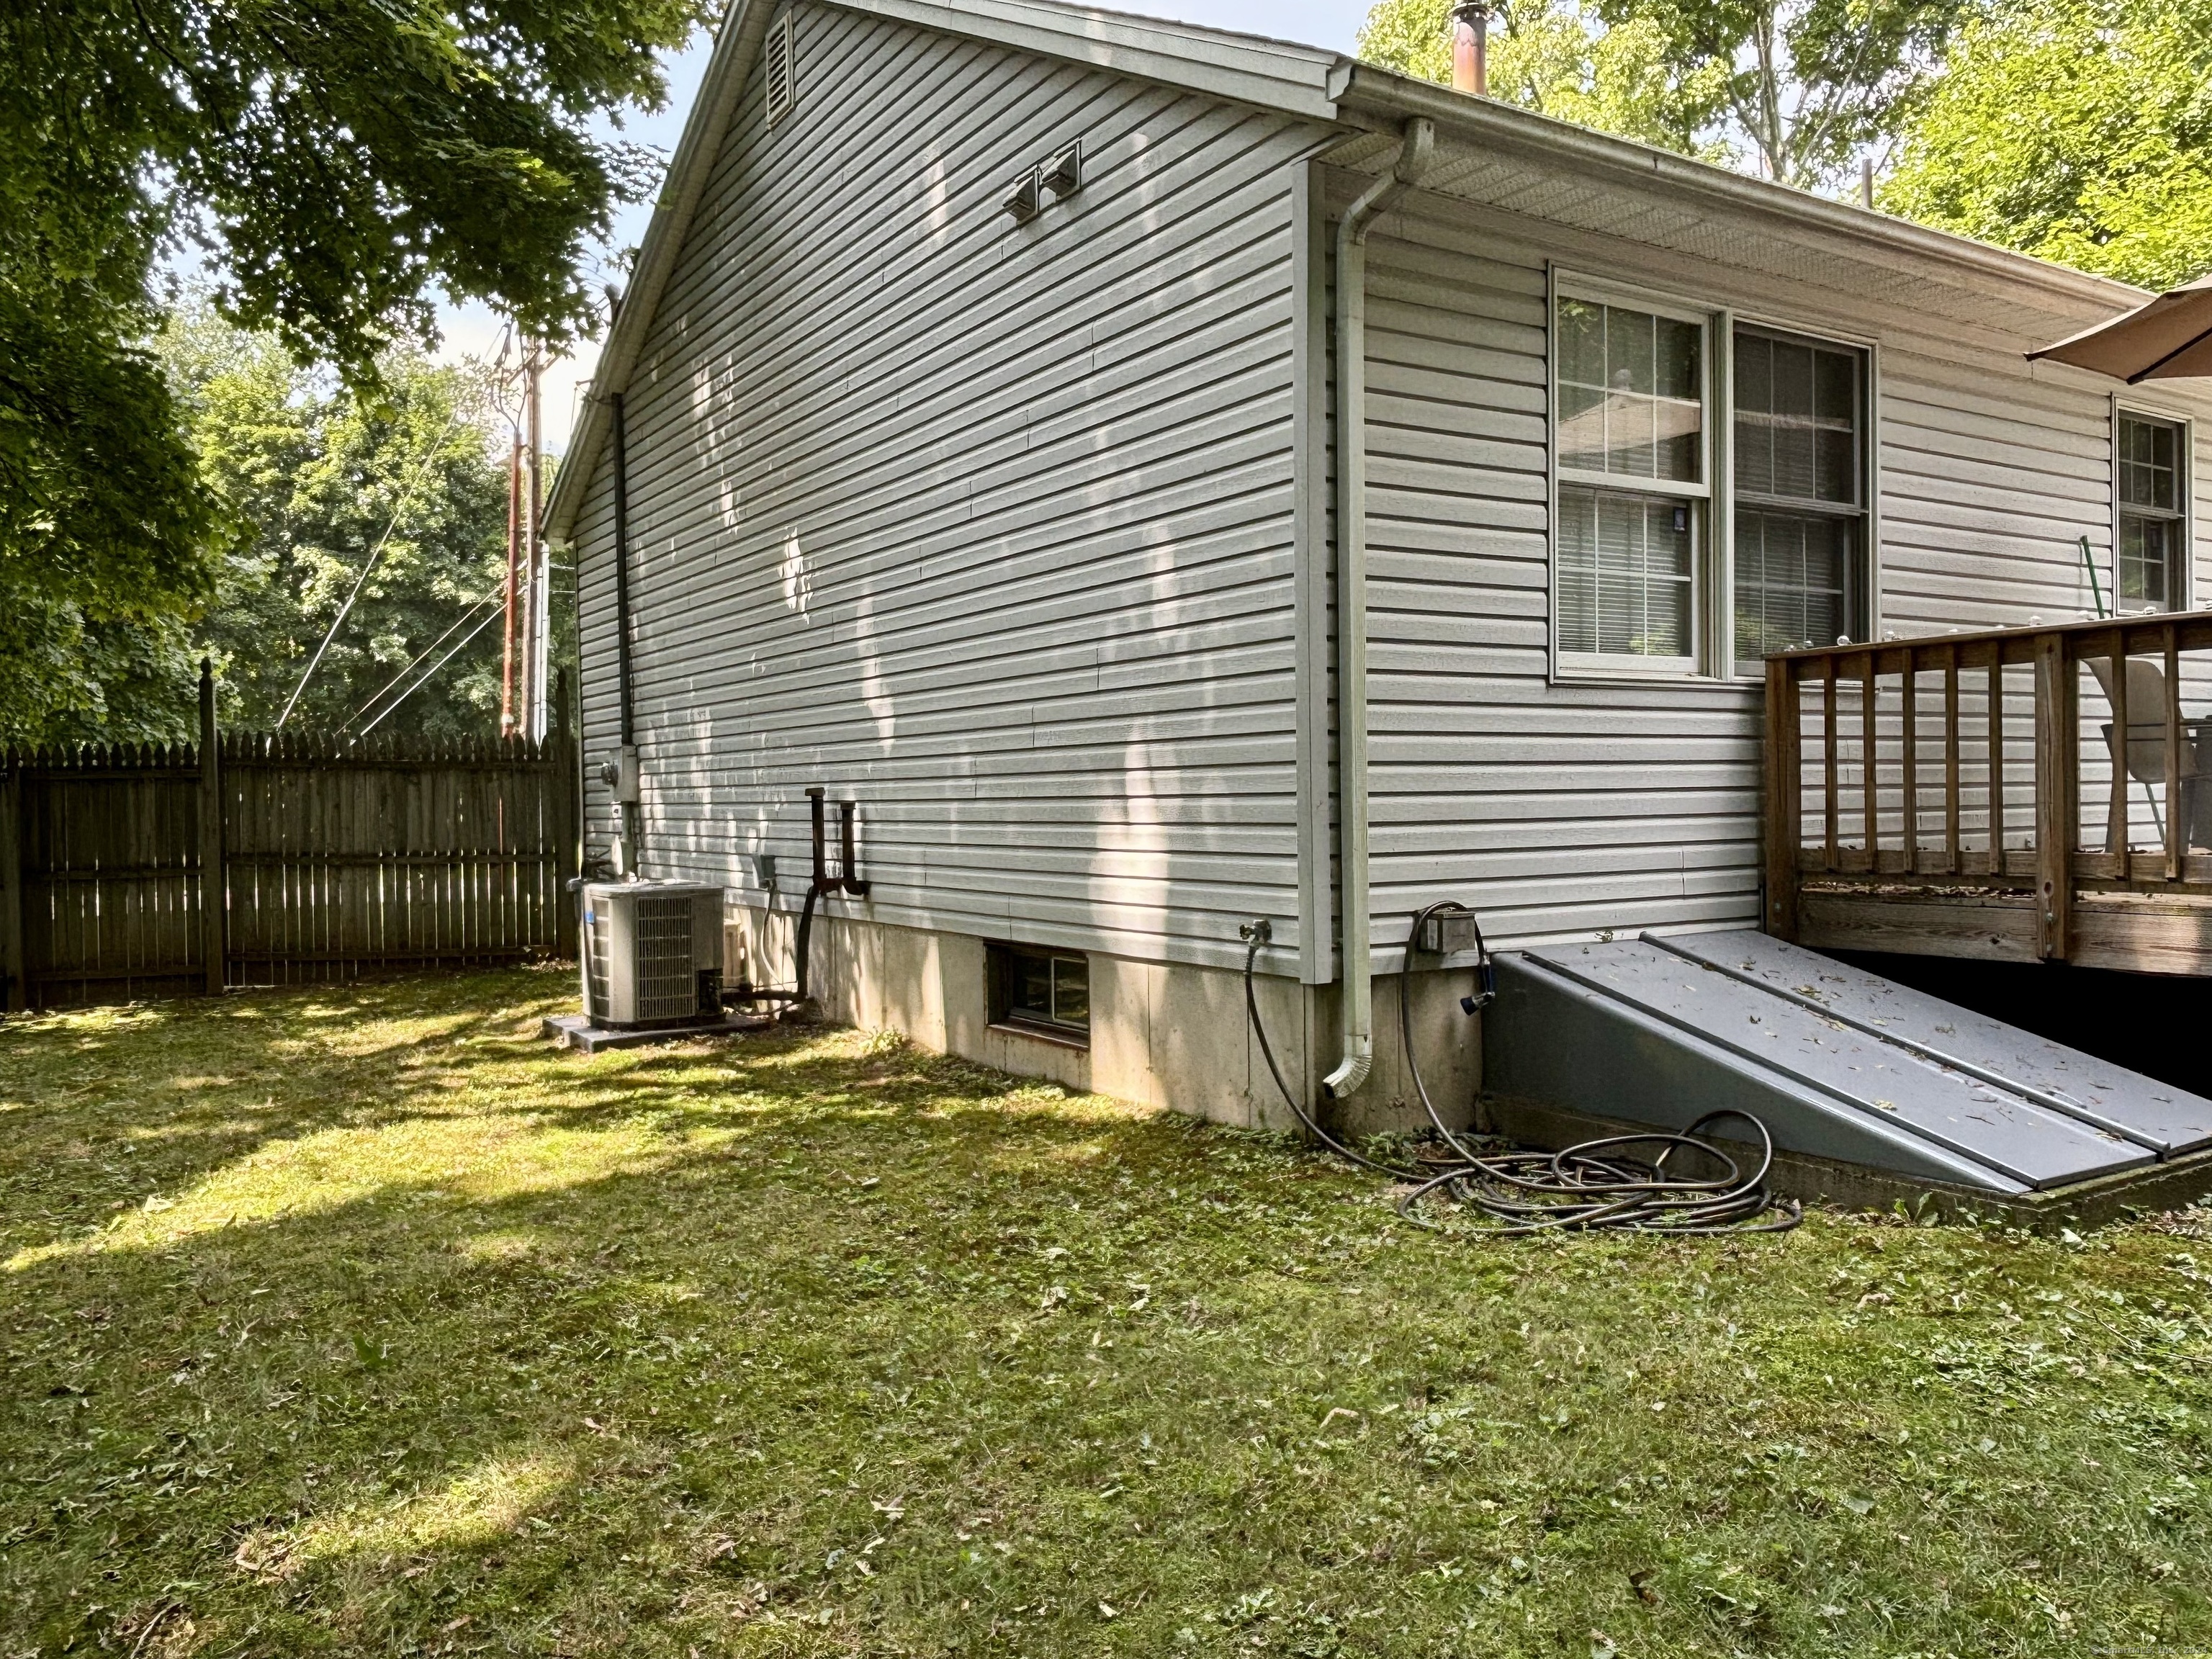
(2058, 793)
(1870, 763)
(2119, 827)
(567, 786)
(2177, 832)
(1909, 757)
(214, 930)
(1785, 797)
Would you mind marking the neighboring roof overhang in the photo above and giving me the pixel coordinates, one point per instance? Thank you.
(2168, 339)
(1488, 152)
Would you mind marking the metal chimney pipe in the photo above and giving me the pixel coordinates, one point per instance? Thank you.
(1471, 47)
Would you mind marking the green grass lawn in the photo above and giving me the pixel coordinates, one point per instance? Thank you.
(359, 1322)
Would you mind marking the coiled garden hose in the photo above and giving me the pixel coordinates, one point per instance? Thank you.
(1615, 1182)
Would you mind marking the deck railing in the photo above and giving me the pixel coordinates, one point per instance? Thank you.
(1980, 761)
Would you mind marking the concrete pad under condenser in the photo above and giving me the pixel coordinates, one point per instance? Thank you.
(576, 1031)
(1662, 1032)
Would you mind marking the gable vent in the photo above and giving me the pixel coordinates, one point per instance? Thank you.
(782, 81)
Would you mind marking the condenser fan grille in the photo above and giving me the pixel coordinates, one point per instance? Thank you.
(666, 988)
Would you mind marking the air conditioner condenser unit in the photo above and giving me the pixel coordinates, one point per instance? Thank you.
(653, 953)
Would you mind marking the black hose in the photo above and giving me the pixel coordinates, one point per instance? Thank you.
(1593, 1185)
(1267, 1053)
(1596, 1184)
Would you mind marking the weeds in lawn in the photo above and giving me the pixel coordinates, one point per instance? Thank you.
(358, 1321)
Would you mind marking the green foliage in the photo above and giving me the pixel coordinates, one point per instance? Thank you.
(359, 1321)
(1796, 88)
(311, 476)
(321, 477)
(2080, 133)
(104, 519)
(341, 164)
(1560, 60)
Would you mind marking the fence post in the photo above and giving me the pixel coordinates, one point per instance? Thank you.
(2058, 793)
(1784, 798)
(566, 791)
(14, 990)
(214, 876)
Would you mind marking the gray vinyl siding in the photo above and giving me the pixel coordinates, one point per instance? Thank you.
(1564, 808)
(989, 527)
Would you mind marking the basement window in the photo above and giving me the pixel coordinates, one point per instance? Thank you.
(1044, 993)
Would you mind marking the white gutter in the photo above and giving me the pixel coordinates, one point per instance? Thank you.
(1357, 996)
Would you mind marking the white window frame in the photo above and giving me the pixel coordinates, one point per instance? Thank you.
(1869, 357)
(2184, 495)
(1706, 528)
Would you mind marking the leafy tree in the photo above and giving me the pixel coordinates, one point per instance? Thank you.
(338, 163)
(2080, 133)
(1797, 89)
(317, 479)
(325, 483)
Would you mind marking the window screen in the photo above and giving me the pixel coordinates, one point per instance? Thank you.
(1632, 455)
(1626, 566)
(2153, 497)
(1799, 495)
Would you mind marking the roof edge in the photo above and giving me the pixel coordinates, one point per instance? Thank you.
(1251, 68)
(1382, 94)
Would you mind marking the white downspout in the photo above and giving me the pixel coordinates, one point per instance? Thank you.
(1355, 955)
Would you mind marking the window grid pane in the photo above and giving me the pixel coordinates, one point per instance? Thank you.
(1071, 991)
(1798, 437)
(1632, 396)
(1797, 420)
(2146, 560)
(1626, 566)
(2149, 464)
(2153, 487)
(1793, 581)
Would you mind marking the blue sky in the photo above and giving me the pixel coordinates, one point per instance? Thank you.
(472, 329)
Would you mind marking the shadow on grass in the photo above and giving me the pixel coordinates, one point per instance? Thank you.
(460, 1321)
(804, 1344)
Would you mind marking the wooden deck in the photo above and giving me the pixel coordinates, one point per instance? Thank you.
(1966, 795)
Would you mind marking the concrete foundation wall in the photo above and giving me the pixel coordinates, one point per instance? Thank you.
(1162, 1034)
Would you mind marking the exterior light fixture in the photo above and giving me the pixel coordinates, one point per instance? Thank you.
(1026, 200)
(1063, 175)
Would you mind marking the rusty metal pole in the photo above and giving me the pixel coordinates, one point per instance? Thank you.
(537, 670)
(513, 559)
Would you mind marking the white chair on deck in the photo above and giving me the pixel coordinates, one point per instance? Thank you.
(2145, 760)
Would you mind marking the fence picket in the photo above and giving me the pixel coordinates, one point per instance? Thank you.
(337, 857)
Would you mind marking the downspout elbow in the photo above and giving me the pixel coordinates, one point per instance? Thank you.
(1352, 1071)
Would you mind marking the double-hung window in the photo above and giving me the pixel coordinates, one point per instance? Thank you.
(1633, 485)
(1800, 497)
(2154, 526)
(1651, 407)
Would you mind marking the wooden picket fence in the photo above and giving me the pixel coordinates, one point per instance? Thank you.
(333, 856)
